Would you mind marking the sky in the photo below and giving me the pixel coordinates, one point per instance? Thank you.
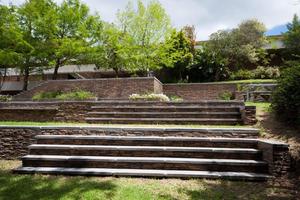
(208, 16)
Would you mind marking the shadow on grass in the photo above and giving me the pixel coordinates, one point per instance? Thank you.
(23, 187)
(227, 190)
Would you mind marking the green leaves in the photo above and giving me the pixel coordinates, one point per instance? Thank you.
(240, 46)
(292, 36)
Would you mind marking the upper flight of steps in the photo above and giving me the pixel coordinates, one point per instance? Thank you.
(144, 156)
(200, 112)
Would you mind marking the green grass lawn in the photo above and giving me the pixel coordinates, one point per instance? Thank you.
(41, 187)
(260, 106)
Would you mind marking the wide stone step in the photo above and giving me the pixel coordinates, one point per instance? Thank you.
(151, 141)
(233, 115)
(145, 151)
(196, 164)
(165, 108)
(158, 103)
(200, 121)
(143, 173)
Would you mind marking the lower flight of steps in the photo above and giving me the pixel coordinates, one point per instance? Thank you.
(201, 112)
(141, 156)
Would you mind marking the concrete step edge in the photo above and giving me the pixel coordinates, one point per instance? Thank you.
(147, 138)
(143, 173)
(144, 148)
(232, 162)
(166, 113)
(164, 119)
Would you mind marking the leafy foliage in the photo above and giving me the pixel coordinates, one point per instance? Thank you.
(241, 46)
(292, 36)
(260, 72)
(147, 26)
(226, 96)
(149, 97)
(5, 98)
(286, 98)
(210, 66)
(59, 95)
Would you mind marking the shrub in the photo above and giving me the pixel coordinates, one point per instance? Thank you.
(58, 95)
(5, 98)
(242, 74)
(175, 98)
(259, 73)
(149, 97)
(227, 95)
(286, 97)
(266, 72)
(77, 95)
(45, 95)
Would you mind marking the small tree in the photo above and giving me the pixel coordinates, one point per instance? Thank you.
(190, 33)
(292, 36)
(179, 52)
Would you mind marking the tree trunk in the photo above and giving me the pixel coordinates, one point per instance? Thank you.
(57, 65)
(26, 78)
(116, 71)
(3, 77)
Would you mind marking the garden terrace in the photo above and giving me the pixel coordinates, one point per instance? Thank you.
(126, 112)
(141, 151)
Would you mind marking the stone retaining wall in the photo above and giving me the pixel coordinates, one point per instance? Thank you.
(15, 140)
(277, 155)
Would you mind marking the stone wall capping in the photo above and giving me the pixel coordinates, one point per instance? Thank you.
(274, 143)
(120, 127)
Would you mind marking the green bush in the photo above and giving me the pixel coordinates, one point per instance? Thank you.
(227, 95)
(149, 97)
(175, 98)
(259, 73)
(45, 95)
(77, 95)
(266, 72)
(286, 97)
(58, 95)
(242, 74)
(5, 98)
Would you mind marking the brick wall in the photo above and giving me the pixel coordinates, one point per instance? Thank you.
(198, 91)
(114, 88)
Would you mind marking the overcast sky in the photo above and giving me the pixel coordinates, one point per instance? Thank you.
(208, 16)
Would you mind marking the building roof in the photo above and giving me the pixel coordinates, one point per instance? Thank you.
(62, 70)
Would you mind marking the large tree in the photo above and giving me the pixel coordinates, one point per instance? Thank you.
(242, 46)
(148, 26)
(72, 36)
(10, 41)
(34, 22)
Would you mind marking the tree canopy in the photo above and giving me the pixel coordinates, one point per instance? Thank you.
(292, 36)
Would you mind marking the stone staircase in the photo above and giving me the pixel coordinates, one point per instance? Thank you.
(200, 112)
(146, 156)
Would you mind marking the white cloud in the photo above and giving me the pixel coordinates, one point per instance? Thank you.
(207, 15)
